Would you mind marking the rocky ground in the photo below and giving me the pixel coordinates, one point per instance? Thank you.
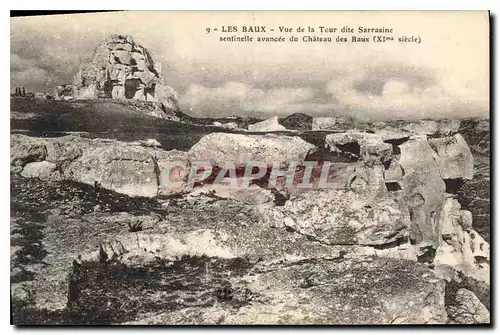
(97, 239)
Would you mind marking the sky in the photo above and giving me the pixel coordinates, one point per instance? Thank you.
(445, 76)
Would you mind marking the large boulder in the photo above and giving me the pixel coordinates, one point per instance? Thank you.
(240, 149)
(323, 123)
(266, 125)
(455, 159)
(343, 217)
(126, 169)
(423, 190)
(464, 250)
(368, 181)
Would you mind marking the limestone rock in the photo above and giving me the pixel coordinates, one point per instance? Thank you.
(266, 125)
(423, 127)
(150, 142)
(44, 170)
(240, 149)
(125, 169)
(297, 121)
(322, 123)
(25, 149)
(369, 147)
(467, 309)
(369, 181)
(342, 217)
(393, 173)
(167, 96)
(230, 125)
(455, 158)
(464, 251)
(173, 171)
(466, 220)
(423, 190)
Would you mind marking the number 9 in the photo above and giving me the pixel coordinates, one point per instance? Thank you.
(208, 30)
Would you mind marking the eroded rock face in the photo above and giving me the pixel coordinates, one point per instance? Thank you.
(455, 159)
(423, 189)
(461, 249)
(343, 218)
(350, 255)
(467, 309)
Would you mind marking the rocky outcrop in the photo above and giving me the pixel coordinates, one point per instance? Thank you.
(467, 309)
(390, 130)
(173, 169)
(128, 170)
(222, 148)
(352, 254)
(369, 147)
(114, 165)
(24, 149)
(122, 69)
(455, 159)
(268, 125)
(342, 292)
(461, 248)
(423, 191)
(343, 218)
(44, 170)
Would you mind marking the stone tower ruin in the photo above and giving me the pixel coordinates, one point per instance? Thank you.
(122, 69)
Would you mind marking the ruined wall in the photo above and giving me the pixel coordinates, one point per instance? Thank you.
(121, 69)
